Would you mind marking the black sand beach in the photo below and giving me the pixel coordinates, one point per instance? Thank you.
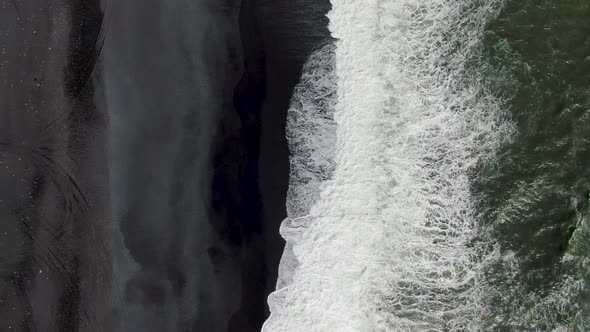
(144, 160)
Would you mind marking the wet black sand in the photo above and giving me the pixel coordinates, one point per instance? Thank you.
(145, 160)
(277, 37)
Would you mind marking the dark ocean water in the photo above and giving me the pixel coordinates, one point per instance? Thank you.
(536, 196)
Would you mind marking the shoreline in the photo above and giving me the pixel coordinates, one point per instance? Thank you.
(275, 48)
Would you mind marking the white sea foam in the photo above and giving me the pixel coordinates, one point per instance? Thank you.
(311, 132)
(391, 241)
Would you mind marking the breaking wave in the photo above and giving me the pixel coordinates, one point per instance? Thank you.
(385, 130)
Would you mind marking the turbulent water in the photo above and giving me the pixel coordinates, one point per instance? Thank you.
(536, 198)
(439, 180)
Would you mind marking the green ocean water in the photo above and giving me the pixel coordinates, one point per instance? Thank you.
(535, 196)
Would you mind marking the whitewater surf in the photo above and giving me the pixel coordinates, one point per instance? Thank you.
(385, 130)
